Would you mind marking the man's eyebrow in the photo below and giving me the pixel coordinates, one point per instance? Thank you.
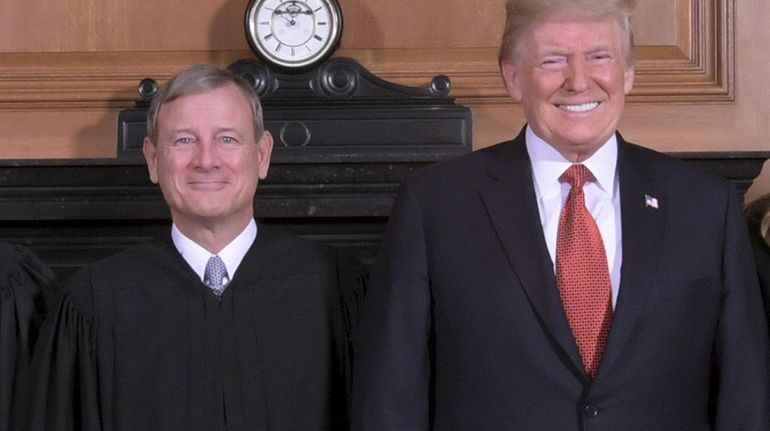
(552, 50)
(183, 130)
(227, 130)
(599, 48)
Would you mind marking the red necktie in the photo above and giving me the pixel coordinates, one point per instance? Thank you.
(581, 272)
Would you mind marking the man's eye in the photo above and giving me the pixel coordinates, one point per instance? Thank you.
(183, 141)
(553, 62)
(228, 140)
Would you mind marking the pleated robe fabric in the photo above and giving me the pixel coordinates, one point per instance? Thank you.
(139, 343)
(25, 282)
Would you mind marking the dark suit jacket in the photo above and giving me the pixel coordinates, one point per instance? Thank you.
(463, 328)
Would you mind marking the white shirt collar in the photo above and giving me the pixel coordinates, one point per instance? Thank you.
(548, 165)
(232, 254)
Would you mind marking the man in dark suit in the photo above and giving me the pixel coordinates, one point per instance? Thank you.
(219, 324)
(566, 280)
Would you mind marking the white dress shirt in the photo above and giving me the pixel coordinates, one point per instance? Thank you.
(602, 197)
(232, 254)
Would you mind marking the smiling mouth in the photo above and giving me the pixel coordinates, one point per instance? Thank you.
(583, 107)
(207, 184)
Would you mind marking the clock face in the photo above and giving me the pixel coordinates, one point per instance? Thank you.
(293, 34)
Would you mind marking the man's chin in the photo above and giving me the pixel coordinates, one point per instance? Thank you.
(576, 149)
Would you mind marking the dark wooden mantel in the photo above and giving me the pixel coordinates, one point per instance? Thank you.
(75, 211)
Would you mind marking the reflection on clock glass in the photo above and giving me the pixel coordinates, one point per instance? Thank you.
(294, 30)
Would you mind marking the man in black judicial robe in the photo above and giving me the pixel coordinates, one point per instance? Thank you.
(152, 339)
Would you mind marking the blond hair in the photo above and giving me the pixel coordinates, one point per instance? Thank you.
(520, 14)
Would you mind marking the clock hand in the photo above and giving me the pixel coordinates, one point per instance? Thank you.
(294, 9)
(282, 14)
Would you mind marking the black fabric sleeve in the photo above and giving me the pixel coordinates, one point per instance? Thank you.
(64, 384)
(24, 283)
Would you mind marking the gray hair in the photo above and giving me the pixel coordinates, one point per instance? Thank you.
(196, 80)
(520, 14)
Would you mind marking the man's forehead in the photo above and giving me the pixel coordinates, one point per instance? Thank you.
(588, 35)
(207, 107)
(195, 128)
(571, 48)
(228, 92)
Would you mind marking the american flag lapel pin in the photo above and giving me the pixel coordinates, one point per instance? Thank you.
(650, 201)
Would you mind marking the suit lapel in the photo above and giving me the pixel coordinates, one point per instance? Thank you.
(643, 211)
(510, 201)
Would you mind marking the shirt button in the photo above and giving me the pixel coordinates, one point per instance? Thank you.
(591, 411)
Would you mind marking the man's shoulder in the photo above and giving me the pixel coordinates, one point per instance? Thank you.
(468, 167)
(127, 267)
(282, 241)
(280, 254)
(130, 261)
(671, 171)
(130, 264)
(288, 252)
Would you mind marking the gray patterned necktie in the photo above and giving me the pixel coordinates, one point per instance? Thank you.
(215, 275)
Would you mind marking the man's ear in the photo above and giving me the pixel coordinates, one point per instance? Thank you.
(629, 76)
(151, 157)
(264, 150)
(511, 78)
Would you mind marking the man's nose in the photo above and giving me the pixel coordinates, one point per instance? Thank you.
(206, 155)
(576, 76)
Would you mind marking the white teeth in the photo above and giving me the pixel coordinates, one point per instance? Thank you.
(580, 108)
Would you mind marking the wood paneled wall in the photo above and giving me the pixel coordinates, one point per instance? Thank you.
(67, 67)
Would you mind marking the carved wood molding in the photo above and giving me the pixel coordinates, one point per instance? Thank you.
(698, 68)
(88, 80)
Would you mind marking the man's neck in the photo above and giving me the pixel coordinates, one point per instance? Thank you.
(211, 234)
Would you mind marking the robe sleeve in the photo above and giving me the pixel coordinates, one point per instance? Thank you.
(65, 387)
(762, 257)
(24, 281)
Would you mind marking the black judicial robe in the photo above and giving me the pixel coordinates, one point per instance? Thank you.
(24, 283)
(139, 343)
